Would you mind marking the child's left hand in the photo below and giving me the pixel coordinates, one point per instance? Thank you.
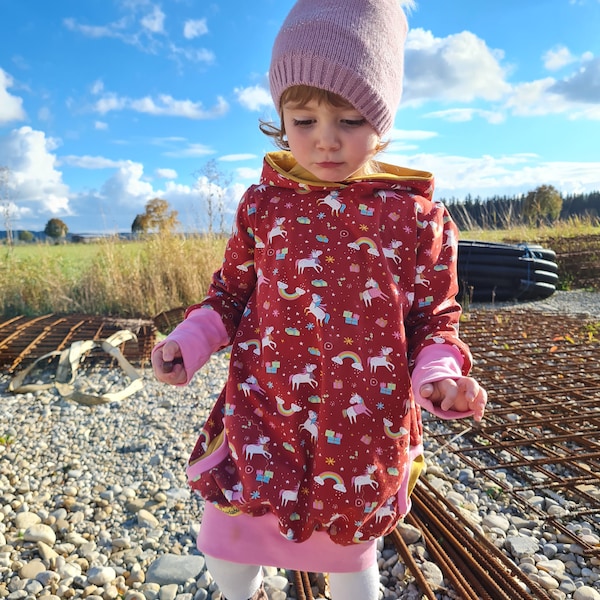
(460, 394)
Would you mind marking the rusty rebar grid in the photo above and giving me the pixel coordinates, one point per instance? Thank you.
(541, 434)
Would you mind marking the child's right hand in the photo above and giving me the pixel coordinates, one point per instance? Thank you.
(167, 364)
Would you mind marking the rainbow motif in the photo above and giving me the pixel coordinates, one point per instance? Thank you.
(289, 295)
(365, 241)
(251, 344)
(391, 434)
(342, 356)
(335, 477)
(246, 266)
(286, 412)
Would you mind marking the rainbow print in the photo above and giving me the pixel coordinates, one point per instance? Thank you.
(335, 477)
(352, 356)
(246, 266)
(391, 434)
(286, 412)
(251, 344)
(289, 295)
(365, 241)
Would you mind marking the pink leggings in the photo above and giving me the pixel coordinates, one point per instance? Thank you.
(240, 582)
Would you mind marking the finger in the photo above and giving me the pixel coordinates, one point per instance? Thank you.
(426, 390)
(169, 365)
(449, 390)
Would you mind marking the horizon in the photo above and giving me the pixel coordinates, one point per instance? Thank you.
(104, 106)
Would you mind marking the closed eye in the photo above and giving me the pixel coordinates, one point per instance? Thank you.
(303, 122)
(354, 122)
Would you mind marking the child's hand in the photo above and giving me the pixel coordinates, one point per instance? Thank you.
(167, 364)
(461, 394)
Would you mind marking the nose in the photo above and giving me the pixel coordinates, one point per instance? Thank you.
(327, 137)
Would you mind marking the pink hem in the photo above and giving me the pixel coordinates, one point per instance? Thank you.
(256, 540)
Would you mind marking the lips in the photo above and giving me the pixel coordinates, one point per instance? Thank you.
(329, 165)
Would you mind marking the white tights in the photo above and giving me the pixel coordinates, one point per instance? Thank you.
(240, 582)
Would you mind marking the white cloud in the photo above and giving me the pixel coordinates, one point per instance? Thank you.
(557, 58)
(154, 21)
(11, 107)
(91, 162)
(126, 187)
(100, 125)
(35, 181)
(248, 173)
(459, 67)
(164, 105)
(190, 151)
(485, 176)
(166, 173)
(194, 28)
(254, 98)
(462, 115)
(411, 134)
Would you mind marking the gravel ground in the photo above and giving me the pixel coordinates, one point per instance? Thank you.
(578, 302)
(94, 502)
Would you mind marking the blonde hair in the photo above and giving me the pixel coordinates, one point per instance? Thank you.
(299, 95)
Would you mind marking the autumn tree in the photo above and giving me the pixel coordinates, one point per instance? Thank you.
(542, 204)
(158, 217)
(56, 229)
(140, 224)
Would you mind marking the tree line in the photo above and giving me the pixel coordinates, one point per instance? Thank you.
(542, 206)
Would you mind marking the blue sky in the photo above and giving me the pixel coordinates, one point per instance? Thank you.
(105, 104)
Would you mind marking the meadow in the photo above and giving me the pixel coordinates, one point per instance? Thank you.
(143, 278)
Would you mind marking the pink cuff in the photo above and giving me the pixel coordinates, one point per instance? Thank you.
(434, 363)
(199, 335)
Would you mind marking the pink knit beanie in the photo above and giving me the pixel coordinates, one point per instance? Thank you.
(354, 48)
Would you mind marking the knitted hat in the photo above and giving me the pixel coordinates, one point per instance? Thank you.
(353, 48)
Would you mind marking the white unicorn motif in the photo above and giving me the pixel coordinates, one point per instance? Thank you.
(372, 291)
(311, 425)
(312, 262)
(382, 360)
(289, 495)
(316, 309)
(305, 376)
(250, 385)
(235, 493)
(386, 510)
(365, 479)
(390, 251)
(332, 201)
(357, 407)
(267, 342)
(419, 279)
(251, 449)
(278, 229)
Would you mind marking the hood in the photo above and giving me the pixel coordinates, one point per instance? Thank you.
(281, 169)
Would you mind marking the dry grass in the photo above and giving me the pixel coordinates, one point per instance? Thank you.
(128, 279)
(145, 278)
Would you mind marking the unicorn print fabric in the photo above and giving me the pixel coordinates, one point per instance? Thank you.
(317, 423)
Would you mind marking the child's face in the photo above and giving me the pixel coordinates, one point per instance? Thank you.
(330, 142)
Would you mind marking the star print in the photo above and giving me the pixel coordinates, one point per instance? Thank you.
(330, 461)
(321, 216)
(380, 406)
(364, 227)
(330, 259)
(348, 341)
(255, 495)
(310, 326)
